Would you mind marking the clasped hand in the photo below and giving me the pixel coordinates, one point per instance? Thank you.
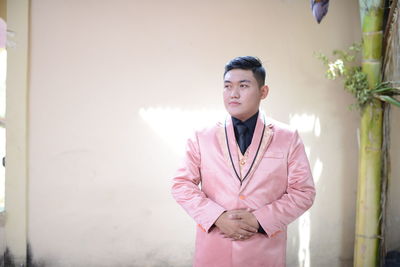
(237, 224)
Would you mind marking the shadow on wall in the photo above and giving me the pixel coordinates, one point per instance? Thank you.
(7, 259)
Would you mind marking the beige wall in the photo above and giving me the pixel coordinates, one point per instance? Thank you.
(105, 76)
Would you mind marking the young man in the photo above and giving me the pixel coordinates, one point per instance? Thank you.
(254, 174)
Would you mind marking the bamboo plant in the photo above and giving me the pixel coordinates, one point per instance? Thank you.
(365, 83)
(368, 208)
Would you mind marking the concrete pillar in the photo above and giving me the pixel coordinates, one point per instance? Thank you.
(16, 204)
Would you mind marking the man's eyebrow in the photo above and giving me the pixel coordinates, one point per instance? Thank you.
(241, 81)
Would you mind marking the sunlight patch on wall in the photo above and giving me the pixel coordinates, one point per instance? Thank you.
(305, 123)
(304, 240)
(175, 125)
(308, 151)
(317, 170)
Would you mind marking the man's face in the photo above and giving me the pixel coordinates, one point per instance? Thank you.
(242, 94)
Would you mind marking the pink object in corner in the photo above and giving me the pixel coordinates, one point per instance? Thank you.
(3, 33)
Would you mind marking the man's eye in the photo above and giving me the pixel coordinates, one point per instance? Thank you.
(227, 86)
(244, 86)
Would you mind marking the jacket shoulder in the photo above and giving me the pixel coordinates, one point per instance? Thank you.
(280, 126)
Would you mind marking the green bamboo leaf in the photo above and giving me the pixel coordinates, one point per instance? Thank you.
(386, 89)
(388, 99)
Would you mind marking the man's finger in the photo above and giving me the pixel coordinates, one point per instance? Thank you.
(248, 228)
(235, 216)
(244, 235)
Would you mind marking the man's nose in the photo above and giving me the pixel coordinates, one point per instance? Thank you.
(235, 93)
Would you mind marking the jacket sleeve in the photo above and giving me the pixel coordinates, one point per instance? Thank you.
(299, 195)
(186, 191)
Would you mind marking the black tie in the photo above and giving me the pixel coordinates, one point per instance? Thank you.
(242, 129)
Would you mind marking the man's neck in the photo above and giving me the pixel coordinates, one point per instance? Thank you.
(249, 118)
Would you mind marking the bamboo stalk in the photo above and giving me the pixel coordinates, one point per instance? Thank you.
(366, 247)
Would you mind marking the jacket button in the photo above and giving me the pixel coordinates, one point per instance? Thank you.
(277, 232)
(201, 227)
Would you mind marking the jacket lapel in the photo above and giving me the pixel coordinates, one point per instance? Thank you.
(261, 139)
(255, 143)
(226, 137)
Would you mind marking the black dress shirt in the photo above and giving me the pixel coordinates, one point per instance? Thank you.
(250, 123)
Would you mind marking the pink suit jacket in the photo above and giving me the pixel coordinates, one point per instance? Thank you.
(278, 189)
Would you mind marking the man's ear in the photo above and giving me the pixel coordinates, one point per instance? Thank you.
(264, 91)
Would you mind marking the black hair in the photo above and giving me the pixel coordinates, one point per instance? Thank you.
(248, 63)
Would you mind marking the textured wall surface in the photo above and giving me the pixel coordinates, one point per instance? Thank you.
(112, 86)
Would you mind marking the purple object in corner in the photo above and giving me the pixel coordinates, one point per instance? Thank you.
(319, 9)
